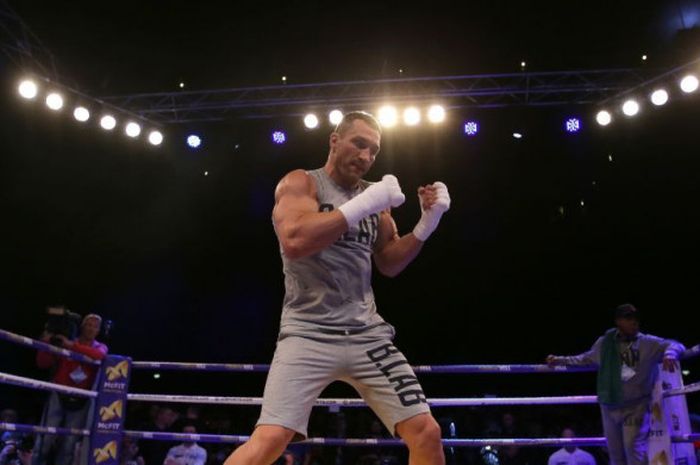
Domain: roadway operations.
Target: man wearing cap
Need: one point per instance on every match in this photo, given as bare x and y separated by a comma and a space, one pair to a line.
63, 410
627, 363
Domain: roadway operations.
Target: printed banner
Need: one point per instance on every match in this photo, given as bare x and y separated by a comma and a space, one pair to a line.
109, 412
669, 417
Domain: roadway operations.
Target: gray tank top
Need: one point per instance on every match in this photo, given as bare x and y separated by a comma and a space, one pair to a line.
332, 288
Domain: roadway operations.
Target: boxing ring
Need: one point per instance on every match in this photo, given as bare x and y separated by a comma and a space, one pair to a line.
669, 441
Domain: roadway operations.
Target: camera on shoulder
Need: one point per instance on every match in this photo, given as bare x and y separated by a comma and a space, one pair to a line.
61, 321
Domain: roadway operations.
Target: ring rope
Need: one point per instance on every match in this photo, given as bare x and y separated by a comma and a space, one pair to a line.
21, 428
44, 385
695, 387
443, 402
29, 342
215, 438
247, 367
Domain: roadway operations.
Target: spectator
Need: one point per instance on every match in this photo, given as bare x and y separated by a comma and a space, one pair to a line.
187, 453
570, 455
154, 452
16, 452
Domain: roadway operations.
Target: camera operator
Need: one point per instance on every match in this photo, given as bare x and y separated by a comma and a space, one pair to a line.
63, 410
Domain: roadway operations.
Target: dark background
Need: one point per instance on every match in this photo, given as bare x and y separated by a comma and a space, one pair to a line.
187, 265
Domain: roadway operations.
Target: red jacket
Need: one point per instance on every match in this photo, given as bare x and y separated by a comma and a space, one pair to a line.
72, 372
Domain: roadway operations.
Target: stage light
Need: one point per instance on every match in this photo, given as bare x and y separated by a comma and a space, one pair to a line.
411, 116
436, 114
471, 128
155, 137
335, 117
81, 114
630, 107
108, 122
279, 137
194, 141
572, 125
311, 121
517, 135
132, 129
54, 101
27, 89
659, 97
689, 84
387, 116
603, 118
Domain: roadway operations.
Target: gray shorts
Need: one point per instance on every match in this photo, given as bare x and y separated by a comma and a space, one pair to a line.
302, 368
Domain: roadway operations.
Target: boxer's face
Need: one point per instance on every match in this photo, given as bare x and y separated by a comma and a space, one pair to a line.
354, 152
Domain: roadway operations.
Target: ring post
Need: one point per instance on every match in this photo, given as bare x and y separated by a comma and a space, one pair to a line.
109, 412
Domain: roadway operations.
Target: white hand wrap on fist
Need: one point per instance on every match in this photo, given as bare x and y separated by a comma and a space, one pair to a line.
377, 197
430, 217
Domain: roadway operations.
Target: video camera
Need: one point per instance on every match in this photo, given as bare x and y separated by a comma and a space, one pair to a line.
61, 321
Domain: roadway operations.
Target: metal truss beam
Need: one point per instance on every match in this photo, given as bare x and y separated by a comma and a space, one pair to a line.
480, 91
23, 47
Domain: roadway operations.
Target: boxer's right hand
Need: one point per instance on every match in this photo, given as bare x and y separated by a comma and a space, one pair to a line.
386, 193
377, 197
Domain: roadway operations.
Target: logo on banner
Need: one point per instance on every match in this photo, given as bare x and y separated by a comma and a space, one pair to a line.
112, 411
109, 451
117, 376
120, 370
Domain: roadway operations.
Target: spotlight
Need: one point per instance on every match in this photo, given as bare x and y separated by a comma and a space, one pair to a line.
603, 118
132, 129
411, 116
82, 114
27, 89
335, 117
630, 107
471, 128
689, 84
311, 121
572, 125
194, 141
517, 135
279, 137
54, 101
436, 114
108, 122
155, 137
387, 116
659, 97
